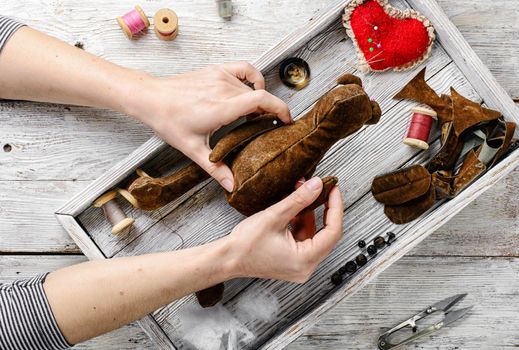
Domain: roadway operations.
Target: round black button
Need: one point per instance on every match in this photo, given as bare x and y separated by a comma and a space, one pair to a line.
342, 270
372, 250
336, 278
390, 236
361, 243
379, 242
351, 267
361, 260
294, 73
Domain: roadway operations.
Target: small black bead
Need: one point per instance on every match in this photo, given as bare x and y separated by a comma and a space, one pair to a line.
350, 266
361, 260
362, 243
336, 278
342, 270
390, 236
372, 250
379, 242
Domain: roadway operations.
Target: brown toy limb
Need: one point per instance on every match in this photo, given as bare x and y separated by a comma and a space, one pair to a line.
402, 185
329, 183
243, 134
407, 212
349, 78
377, 113
153, 193
210, 296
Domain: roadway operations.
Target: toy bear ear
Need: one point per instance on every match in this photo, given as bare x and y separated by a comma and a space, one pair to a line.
349, 79
376, 113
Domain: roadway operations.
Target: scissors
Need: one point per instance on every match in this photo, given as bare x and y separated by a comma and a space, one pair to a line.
384, 342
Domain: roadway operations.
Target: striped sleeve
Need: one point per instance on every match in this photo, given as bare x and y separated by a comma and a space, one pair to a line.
7, 27
26, 319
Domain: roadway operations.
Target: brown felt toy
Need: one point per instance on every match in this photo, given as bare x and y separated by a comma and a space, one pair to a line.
267, 158
409, 192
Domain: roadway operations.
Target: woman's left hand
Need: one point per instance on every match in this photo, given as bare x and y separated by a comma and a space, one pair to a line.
185, 110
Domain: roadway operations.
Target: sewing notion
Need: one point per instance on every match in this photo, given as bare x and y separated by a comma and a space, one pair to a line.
294, 72
386, 37
134, 22
113, 212
224, 9
165, 24
385, 342
420, 127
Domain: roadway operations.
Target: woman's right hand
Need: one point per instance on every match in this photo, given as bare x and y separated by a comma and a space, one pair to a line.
262, 245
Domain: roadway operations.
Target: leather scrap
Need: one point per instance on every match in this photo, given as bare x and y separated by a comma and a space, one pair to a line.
401, 185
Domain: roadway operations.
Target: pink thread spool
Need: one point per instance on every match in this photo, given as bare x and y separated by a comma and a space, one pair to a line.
133, 22
420, 127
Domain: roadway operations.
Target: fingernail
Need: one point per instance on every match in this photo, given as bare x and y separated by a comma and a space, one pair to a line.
313, 184
227, 184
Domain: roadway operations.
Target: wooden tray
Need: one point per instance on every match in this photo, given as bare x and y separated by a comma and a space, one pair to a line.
203, 214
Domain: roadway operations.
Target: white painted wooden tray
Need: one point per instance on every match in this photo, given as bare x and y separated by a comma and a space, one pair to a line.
203, 214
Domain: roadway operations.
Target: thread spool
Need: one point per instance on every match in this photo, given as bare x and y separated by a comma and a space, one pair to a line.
165, 24
133, 22
224, 9
420, 127
113, 212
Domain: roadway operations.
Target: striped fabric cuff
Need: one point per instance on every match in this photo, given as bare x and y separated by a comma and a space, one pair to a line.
26, 319
7, 27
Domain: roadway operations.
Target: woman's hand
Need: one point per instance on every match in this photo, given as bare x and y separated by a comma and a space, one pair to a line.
264, 247
186, 109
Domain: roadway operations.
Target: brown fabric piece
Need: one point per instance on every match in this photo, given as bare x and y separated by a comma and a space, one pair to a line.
266, 169
442, 183
402, 185
507, 140
210, 296
470, 170
418, 90
243, 134
449, 153
153, 193
467, 113
409, 211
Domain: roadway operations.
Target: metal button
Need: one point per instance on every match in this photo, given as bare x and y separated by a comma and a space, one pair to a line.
361, 260
351, 267
379, 242
294, 73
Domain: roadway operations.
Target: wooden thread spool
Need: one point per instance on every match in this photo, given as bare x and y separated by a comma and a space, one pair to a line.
113, 212
133, 22
165, 24
420, 128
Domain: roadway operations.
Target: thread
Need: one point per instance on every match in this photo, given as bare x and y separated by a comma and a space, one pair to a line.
113, 212
420, 128
133, 22
165, 24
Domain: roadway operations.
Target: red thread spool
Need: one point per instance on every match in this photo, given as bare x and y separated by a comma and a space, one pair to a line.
420, 127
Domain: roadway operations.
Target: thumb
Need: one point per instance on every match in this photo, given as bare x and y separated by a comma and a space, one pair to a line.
219, 171
301, 198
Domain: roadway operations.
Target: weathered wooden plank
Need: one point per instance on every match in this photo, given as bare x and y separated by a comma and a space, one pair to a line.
27, 222
357, 323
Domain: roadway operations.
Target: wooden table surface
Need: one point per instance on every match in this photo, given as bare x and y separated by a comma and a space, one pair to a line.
57, 150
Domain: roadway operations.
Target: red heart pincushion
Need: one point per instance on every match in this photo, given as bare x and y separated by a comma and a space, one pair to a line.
387, 37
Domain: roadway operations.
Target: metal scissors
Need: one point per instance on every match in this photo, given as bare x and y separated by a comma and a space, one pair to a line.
384, 342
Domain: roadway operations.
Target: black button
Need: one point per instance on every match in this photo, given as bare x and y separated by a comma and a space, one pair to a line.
379, 242
336, 278
361, 260
390, 236
372, 250
342, 270
294, 72
351, 267
362, 243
